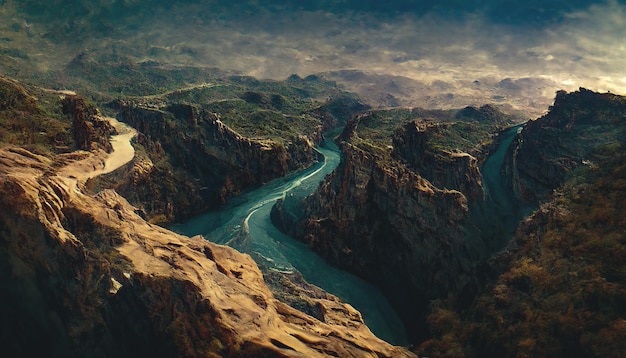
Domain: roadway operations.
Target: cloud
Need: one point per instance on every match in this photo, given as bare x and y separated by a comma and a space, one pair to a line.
471, 47
583, 48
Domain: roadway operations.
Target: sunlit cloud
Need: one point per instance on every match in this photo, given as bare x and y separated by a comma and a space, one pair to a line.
585, 49
443, 60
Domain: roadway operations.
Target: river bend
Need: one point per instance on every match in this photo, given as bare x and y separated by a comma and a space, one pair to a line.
244, 223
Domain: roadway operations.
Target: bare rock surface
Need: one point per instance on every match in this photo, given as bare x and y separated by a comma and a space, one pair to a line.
121, 286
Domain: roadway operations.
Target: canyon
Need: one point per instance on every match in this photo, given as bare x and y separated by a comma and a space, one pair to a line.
416, 217
488, 233
312, 178
402, 208
456, 215
90, 275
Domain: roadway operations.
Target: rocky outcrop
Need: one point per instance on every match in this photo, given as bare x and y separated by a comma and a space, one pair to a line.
403, 216
85, 275
391, 226
578, 129
91, 131
559, 287
194, 162
444, 168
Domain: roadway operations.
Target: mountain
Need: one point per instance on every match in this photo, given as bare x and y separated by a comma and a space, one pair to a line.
560, 284
402, 210
83, 274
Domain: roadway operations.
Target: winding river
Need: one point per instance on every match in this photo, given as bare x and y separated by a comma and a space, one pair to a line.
245, 224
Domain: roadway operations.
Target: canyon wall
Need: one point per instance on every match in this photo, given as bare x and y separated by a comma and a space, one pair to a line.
579, 127
193, 162
560, 285
397, 211
85, 275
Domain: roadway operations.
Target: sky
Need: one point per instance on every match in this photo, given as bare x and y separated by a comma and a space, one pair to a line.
443, 53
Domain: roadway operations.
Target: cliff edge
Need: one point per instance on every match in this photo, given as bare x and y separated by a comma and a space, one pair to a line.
85, 275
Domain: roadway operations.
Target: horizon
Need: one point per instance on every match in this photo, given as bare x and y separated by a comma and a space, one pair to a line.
443, 54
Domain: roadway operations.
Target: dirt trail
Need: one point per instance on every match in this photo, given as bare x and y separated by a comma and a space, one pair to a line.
92, 164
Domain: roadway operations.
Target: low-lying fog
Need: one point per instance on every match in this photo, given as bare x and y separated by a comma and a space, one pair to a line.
403, 57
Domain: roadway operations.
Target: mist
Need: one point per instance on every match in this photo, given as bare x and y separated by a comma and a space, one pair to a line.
430, 54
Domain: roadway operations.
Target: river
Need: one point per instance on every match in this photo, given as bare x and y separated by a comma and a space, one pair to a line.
504, 211
244, 223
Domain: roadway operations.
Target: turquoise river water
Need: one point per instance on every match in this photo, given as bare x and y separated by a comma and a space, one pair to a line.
244, 223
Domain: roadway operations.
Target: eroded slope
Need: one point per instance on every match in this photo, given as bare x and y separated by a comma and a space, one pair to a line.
96, 279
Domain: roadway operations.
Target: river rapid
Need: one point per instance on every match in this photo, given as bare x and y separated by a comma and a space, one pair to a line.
244, 223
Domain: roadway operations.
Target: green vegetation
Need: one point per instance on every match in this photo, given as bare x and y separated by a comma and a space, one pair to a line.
187, 162
561, 291
37, 124
275, 110
467, 136
468, 130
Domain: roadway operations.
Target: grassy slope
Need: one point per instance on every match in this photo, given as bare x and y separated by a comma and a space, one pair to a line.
468, 130
33, 122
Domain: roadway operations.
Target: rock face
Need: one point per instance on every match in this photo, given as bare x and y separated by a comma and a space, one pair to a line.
397, 210
86, 276
380, 219
90, 130
384, 223
578, 125
560, 286
443, 168
200, 162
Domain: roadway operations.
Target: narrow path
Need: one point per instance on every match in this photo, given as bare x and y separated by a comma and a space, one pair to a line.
93, 164
123, 152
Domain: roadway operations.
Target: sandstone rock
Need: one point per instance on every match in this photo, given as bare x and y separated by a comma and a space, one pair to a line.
96, 279
91, 131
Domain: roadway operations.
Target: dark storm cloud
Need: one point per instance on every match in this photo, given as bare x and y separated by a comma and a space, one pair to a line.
516, 13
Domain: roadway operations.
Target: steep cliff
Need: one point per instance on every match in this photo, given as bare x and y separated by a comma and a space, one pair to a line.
203, 155
578, 130
443, 168
84, 275
202, 145
396, 211
561, 283
90, 130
